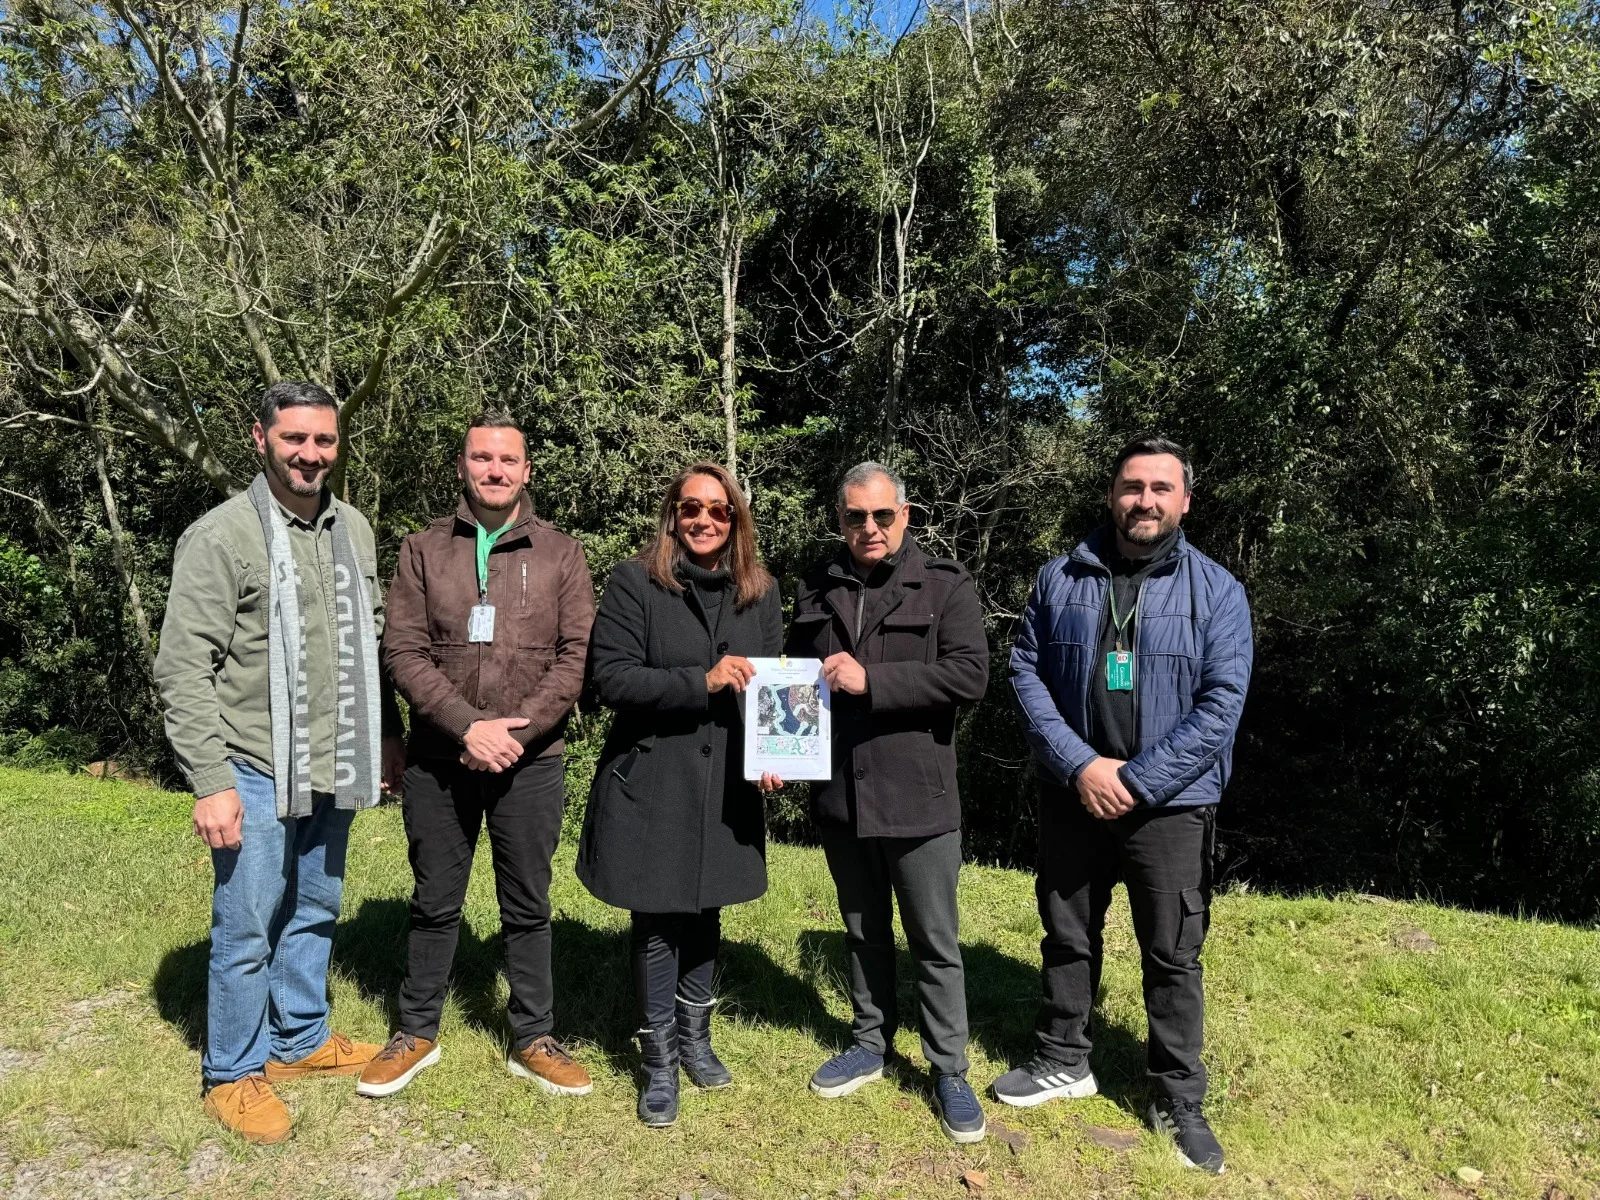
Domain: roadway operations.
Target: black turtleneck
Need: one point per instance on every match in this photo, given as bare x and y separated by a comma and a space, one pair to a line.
710, 588
1114, 716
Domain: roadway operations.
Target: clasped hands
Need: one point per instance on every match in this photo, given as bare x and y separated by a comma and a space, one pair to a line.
490, 746
1102, 791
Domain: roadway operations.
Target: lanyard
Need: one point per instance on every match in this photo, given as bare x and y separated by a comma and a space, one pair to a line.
486, 541
1118, 626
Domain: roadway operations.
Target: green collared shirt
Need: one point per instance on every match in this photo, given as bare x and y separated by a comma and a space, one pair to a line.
212, 667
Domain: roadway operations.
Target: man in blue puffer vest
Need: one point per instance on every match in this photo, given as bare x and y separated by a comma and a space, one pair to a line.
1130, 672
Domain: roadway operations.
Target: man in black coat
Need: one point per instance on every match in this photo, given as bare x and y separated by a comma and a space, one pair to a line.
902, 644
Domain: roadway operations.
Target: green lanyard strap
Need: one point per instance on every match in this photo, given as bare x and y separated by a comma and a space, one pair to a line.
1118, 626
486, 541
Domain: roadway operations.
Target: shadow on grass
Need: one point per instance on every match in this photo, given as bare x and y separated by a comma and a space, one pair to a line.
593, 982
595, 1002
1002, 1003
179, 988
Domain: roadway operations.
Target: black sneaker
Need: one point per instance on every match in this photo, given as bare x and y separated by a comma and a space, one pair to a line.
1183, 1120
1042, 1079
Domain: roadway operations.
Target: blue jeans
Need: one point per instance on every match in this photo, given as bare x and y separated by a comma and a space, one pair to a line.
272, 916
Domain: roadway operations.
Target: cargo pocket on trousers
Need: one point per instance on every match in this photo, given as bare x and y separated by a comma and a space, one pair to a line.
1192, 929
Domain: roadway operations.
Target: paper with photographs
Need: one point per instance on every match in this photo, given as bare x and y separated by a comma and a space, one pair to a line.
786, 720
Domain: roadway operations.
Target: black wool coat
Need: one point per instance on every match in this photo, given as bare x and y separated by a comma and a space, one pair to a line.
922, 641
672, 824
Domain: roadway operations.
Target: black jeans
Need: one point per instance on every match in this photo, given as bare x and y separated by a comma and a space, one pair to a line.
674, 955
922, 872
445, 806
1163, 855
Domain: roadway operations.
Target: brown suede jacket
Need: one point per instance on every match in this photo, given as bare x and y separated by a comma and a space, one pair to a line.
543, 598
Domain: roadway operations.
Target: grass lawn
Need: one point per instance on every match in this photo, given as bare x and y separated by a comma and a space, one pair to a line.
1349, 1056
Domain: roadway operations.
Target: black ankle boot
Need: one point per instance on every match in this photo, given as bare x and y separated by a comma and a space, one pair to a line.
700, 1063
658, 1098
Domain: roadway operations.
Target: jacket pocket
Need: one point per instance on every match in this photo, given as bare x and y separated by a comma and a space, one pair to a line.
529, 667
460, 666
629, 771
908, 637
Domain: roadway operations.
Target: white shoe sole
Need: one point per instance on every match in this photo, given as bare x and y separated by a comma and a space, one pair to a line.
1189, 1162
555, 1089
965, 1139
378, 1090
844, 1089
1077, 1089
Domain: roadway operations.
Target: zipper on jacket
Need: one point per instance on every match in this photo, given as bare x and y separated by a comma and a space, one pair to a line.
1088, 678
1138, 663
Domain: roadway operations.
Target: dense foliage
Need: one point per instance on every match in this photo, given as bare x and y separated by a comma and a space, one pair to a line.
1350, 254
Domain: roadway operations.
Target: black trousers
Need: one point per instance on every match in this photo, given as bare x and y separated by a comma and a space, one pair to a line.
674, 955
870, 874
445, 806
1163, 855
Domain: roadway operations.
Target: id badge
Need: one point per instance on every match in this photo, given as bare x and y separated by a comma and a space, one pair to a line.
1119, 670
480, 624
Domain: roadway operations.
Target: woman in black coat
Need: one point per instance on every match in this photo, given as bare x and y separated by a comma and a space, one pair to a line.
673, 830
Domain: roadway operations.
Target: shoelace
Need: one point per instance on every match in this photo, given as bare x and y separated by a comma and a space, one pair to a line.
400, 1043
1040, 1066
342, 1045
1185, 1115
856, 1056
954, 1088
551, 1047
255, 1092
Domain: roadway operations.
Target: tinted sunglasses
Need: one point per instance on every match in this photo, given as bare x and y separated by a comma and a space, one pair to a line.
690, 508
883, 518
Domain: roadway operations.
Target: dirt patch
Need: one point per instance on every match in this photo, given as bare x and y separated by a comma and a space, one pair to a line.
74, 1169
1411, 938
81, 1015
17, 1060
1120, 1140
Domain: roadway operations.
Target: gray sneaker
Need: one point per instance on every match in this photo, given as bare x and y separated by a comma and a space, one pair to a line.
1042, 1079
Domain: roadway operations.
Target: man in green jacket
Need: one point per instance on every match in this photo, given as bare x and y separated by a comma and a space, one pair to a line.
276, 712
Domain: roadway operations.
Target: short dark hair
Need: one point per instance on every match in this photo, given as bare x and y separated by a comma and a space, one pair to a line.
292, 393
1155, 445
494, 418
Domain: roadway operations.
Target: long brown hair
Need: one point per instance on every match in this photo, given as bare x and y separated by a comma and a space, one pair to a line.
664, 552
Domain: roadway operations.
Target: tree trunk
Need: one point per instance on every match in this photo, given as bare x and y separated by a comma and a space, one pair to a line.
119, 551
731, 238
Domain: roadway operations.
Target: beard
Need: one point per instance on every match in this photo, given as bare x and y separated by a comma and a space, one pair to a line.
1164, 525
285, 471
482, 501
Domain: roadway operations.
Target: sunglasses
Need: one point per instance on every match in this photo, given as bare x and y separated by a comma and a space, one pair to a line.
690, 509
883, 518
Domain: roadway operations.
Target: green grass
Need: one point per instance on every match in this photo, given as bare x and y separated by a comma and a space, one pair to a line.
1343, 1064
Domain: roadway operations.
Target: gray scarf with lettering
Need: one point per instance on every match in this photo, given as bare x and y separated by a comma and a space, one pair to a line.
358, 728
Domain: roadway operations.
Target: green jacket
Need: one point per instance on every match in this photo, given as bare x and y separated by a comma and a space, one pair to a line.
212, 665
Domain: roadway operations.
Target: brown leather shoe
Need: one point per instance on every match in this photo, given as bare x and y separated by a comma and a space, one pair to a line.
249, 1108
551, 1067
336, 1056
396, 1065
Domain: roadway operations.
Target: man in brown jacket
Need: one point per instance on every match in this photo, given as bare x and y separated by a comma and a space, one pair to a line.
488, 628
